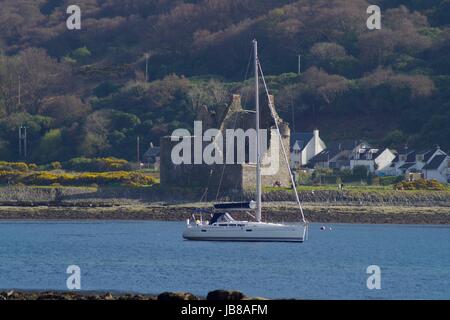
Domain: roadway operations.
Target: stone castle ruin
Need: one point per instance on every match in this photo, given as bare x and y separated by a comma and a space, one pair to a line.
224, 179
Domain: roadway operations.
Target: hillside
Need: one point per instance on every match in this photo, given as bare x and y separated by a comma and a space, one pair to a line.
85, 92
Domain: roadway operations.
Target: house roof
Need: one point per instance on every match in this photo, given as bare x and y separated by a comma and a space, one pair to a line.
427, 154
333, 149
435, 162
407, 165
365, 154
324, 156
410, 155
302, 139
152, 152
343, 144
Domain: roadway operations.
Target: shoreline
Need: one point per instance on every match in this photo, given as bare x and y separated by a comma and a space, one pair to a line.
378, 206
215, 295
272, 212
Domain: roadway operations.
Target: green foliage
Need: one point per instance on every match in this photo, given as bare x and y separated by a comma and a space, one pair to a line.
360, 172
105, 89
56, 165
324, 176
390, 87
81, 55
97, 164
49, 147
304, 178
394, 139
390, 180
329, 176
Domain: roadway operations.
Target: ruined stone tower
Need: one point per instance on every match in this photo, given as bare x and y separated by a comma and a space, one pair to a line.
229, 178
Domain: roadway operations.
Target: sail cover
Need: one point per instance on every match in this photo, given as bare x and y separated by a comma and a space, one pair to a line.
221, 217
249, 205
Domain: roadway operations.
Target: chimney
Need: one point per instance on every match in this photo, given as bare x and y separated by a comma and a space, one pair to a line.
316, 134
272, 100
284, 130
316, 142
236, 103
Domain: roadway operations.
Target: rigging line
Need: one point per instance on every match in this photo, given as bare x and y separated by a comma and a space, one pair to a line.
246, 75
272, 110
235, 120
237, 180
224, 162
207, 186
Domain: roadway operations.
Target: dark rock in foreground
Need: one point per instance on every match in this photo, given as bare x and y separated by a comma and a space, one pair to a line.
225, 295
176, 296
165, 296
57, 295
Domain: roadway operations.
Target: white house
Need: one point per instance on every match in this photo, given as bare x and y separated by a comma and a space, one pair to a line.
431, 163
304, 146
372, 158
437, 168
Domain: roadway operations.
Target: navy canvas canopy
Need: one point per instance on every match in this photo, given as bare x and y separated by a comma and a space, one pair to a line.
248, 205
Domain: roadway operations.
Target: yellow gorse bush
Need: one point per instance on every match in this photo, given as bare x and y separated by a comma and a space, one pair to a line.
76, 179
19, 166
97, 164
420, 184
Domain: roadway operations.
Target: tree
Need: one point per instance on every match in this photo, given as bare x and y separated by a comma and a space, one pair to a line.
26, 79
50, 147
81, 55
64, 109
324, 87
328, 51
95, 134
394, 139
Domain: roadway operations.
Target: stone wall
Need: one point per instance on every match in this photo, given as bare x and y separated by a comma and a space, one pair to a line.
181, 175
115, 195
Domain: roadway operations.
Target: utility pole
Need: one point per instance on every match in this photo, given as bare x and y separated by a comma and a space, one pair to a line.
20, 90
23, 141
299, 64
146, 67
20, 142
138, 151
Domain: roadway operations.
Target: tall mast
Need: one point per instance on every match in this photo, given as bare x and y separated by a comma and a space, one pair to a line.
258, 147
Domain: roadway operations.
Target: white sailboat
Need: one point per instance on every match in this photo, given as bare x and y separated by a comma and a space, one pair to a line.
222, 227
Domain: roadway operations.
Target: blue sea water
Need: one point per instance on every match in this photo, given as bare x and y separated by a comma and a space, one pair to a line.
151, 257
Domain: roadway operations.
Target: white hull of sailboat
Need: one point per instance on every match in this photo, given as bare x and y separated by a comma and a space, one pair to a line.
253, 231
